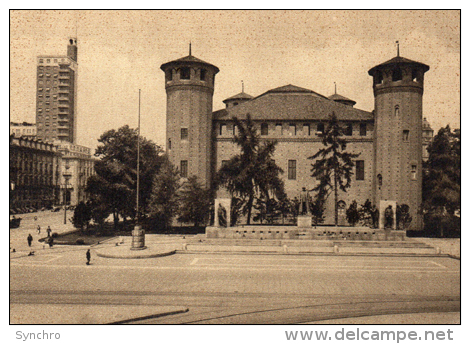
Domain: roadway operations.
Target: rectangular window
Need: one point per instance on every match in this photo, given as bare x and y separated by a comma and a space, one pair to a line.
185, 73
292, 169
320, 128
184, 168
203, 75
406, 135
363, 129
184, 133
279, 128
359, 169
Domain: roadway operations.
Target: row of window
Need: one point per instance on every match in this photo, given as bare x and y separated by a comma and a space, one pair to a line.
292, 129
185, 74
49, 60
292, 169
36, 180
48, 82
397, 75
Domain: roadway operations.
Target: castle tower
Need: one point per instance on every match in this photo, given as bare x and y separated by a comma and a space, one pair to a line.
189, 84
398, 92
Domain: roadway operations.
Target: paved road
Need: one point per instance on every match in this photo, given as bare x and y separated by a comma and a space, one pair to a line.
241, 288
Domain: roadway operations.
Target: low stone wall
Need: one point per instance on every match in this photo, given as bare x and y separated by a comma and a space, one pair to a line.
319, 233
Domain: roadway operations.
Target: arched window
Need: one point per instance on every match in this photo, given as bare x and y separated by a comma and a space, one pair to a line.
414, 172
397, 110
341, 208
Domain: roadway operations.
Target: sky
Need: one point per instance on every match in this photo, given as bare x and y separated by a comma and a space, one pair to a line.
120, 52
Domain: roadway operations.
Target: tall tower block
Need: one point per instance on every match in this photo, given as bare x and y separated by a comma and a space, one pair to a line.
56, 95
398, 92
189, 84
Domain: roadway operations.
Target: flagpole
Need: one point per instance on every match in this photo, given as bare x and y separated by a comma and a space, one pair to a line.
138, 234
138, 164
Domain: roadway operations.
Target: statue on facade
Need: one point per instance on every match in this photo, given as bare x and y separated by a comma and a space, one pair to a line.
375, 217
388, 217
222, 215
304, 202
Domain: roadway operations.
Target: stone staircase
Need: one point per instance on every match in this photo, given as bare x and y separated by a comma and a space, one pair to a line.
333, 247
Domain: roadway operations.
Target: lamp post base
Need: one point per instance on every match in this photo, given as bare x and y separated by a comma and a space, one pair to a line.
138, 238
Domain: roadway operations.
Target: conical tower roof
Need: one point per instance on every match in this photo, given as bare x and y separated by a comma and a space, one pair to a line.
192, 60
398, 60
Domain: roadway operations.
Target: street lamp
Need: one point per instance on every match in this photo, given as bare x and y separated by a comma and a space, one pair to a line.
65, 188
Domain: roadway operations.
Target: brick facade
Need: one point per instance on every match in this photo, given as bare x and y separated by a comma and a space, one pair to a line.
389, 139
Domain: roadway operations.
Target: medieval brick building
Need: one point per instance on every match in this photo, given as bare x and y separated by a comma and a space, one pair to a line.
389, 139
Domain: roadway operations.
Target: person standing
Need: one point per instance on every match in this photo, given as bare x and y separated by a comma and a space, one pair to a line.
39, 229
30, 239
49, 230
88, 257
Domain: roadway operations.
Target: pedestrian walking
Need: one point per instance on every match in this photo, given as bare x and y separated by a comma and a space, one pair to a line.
39, 229
30, 239
49, 230
88, 257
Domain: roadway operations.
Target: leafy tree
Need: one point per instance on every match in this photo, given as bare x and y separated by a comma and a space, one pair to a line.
163, 204
99, 213
352, 213
334, 165
317, 208
253, 172
365, 212
194, 202
285, 207
235, 210
441, 178
403, 216
115, 181
81, 216
267, 209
